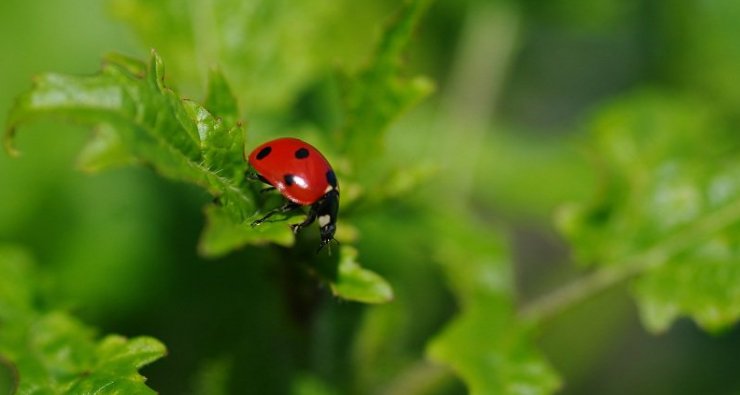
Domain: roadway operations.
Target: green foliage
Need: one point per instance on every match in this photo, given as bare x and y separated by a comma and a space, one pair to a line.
671, 188
54, 353
281, 43
138, 119
487, 344
353, 282
652, 151
379, 94
443, 204
182, 140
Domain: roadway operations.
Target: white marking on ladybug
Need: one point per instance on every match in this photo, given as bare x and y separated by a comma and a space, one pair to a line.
324, 220
328, 189
300, 182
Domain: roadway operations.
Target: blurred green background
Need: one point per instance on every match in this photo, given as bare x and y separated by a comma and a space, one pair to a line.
517, 83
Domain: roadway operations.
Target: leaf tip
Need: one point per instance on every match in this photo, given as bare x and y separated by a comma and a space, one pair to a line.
151, 346
135, 67
215, 72
355, 283
388, 296
156, 69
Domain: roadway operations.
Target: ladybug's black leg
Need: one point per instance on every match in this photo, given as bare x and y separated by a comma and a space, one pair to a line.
308, 221
287, 207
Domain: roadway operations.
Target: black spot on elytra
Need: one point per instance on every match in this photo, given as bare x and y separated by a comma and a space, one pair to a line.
301, 153
264, 152
331, 178
288, 179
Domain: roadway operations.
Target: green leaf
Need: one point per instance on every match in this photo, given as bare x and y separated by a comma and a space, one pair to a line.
346, 278
222, 144
493, 353
105, 150
180, 139
220, 99
115, 365
703, 283
222, 234
379, 93
486, 345
352, 282
668, 209
54, 353
653, 151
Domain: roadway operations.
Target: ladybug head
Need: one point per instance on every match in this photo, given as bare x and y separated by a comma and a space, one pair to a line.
327, 234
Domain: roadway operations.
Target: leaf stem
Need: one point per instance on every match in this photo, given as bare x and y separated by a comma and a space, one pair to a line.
486, 49
612, 274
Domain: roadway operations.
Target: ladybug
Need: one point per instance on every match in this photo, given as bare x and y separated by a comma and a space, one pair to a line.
304, 177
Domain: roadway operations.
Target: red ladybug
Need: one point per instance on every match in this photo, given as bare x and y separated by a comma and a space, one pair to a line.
304, 177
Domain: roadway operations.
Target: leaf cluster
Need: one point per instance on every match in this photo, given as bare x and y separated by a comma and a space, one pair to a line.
49, 352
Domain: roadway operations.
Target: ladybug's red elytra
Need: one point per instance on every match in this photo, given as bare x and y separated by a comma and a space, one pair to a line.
304, 177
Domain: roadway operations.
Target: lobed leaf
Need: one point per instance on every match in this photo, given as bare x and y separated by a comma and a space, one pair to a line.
138, 117
220, 100
672, 188
653, 154
703, 283
486, 345
105, 150
380, 93
54, 353
352, 282
493, 353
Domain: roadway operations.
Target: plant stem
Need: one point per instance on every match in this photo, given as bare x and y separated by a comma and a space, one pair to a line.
612, 274
487, 46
